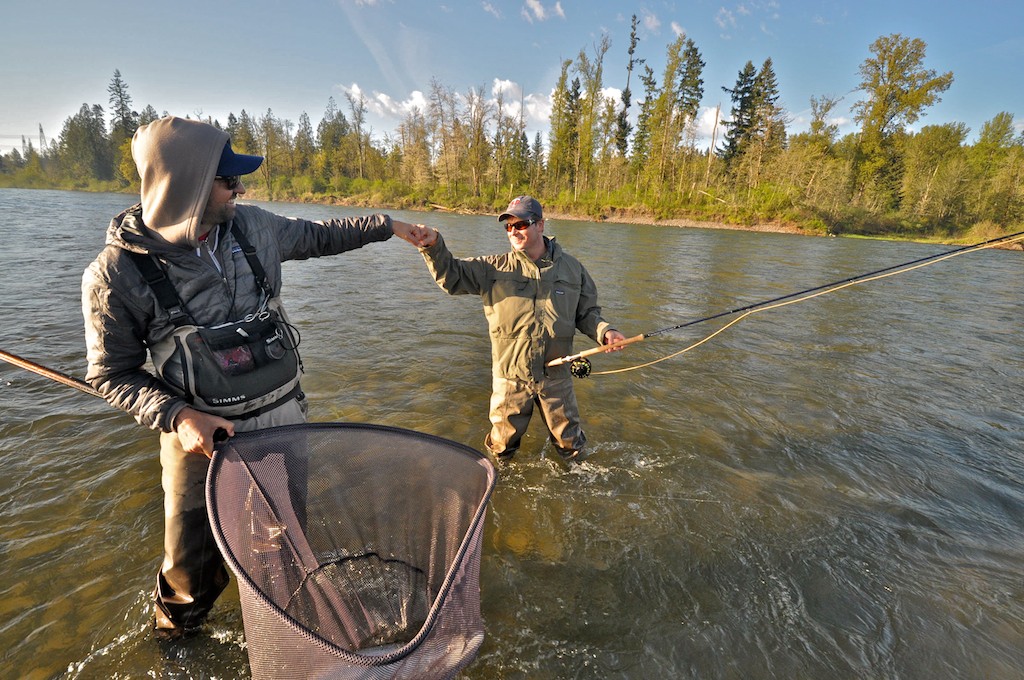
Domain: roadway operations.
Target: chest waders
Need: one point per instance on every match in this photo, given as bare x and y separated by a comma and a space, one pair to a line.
237, 369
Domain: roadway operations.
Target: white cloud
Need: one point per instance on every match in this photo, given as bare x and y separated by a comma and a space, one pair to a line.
651, 21
614, 94
535, 9
385, 113
534, 108
731, 19
511, 90
538, 109
706, 119
725, 19
384, 106
677, 29
491, 9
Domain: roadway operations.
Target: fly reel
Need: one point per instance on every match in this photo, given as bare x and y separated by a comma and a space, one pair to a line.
580, 367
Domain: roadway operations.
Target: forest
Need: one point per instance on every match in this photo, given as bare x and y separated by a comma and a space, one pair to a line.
613, 158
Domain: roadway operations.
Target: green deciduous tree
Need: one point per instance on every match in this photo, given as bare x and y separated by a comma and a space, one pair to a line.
477, 113
591, 74
564, 136
360, 135
997, 163
897, 88
933, 165
449, 141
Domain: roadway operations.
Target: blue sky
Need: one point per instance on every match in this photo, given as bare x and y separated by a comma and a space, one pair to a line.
211, 58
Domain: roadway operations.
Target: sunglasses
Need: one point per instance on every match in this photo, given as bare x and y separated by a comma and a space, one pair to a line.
230, 181
519, 226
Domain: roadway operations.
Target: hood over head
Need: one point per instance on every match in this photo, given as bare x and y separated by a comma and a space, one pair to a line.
177, 160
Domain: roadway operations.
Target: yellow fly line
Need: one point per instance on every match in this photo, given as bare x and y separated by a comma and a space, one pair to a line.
970, 249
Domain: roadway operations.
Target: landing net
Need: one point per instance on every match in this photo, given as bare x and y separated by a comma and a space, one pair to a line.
356, 548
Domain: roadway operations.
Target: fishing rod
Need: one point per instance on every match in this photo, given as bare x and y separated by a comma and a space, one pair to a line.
580, 364
219, 435
50, 373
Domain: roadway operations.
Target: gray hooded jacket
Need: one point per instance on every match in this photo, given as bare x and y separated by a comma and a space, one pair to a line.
177, 161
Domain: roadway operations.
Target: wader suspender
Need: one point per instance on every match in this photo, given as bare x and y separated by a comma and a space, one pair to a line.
168, 298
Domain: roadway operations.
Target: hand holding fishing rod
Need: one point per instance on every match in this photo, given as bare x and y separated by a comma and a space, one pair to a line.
581, 365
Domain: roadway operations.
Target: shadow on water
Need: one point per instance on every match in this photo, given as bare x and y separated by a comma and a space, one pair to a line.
828, 490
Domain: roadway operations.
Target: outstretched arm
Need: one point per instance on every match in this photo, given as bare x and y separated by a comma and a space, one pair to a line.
417, 234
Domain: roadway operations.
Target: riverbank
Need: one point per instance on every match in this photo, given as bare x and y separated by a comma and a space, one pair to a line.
773, 227
976, 234
616, 216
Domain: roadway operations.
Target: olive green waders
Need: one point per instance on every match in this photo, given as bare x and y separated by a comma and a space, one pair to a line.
512, 404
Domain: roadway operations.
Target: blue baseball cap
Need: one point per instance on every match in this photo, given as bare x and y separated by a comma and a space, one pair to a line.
523, 207
232, 163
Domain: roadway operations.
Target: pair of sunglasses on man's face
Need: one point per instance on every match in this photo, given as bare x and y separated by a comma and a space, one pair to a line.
230, 181
519, 226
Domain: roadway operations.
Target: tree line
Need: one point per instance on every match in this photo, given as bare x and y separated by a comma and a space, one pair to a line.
606, 157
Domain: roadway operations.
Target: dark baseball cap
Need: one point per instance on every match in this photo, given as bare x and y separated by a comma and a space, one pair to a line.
232, 163
523, 207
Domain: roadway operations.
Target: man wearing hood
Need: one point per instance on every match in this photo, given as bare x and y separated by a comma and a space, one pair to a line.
535, 298
194, 280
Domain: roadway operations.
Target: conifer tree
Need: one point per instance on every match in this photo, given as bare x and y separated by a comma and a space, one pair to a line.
623, 126
305, 145
123, 121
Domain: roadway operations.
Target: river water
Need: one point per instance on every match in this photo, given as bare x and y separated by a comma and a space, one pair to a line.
827, 490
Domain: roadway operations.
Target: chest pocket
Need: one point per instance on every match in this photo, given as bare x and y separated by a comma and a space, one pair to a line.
235, 368
564, 299
509, 302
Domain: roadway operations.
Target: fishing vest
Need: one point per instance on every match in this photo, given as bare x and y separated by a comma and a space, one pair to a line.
237, 369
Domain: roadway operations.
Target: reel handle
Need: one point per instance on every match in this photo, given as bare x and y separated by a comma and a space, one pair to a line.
596, 350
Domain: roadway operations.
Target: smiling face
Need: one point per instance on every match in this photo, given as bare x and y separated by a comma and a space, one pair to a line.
220, 207
529, 239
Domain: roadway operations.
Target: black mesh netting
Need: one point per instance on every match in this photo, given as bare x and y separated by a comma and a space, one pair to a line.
356, 547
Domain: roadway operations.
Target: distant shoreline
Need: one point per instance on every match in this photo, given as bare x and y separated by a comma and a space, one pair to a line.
617, 217
773, 227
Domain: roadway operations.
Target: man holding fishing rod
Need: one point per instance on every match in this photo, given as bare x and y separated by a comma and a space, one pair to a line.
535, 298
194, 280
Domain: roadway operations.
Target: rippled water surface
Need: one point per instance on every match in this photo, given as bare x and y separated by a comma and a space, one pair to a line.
831, 489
